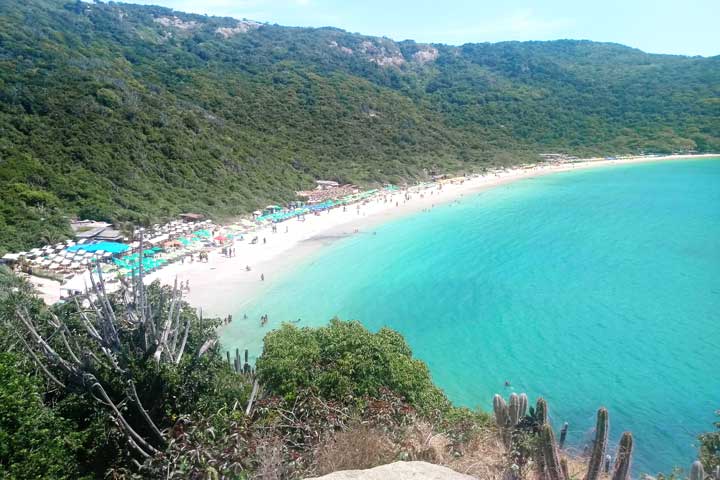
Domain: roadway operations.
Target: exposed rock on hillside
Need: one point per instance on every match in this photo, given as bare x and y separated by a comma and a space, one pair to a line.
242, 26
176, 23
385, 55
426, 54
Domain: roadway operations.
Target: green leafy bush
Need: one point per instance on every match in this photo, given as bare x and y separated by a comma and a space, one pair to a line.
344, 360
35, 442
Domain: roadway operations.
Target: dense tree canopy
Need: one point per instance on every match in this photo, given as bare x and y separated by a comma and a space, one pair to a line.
135, 113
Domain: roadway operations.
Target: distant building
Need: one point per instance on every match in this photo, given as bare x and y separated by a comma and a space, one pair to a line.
109, 235
87, 225
325, 184
327, 190
192, 217
270, 209
92, 230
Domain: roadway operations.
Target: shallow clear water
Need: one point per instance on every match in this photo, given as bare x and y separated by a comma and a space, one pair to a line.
595, 287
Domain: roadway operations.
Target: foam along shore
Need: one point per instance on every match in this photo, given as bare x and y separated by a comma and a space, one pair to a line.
222, 285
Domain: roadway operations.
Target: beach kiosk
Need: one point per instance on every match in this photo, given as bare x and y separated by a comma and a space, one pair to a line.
270, 209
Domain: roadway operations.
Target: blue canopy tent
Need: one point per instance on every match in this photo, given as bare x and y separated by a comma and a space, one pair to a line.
112, 247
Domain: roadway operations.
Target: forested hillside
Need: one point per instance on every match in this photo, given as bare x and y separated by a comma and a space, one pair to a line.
135, 113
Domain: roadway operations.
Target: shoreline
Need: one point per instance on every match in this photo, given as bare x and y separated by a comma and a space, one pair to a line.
222, 286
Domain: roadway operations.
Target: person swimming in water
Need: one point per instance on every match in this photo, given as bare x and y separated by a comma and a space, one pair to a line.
507, 383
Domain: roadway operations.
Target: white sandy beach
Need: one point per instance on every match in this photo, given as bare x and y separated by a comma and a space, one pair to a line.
221, 286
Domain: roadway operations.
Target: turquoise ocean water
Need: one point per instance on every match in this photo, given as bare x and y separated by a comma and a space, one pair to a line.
594, 287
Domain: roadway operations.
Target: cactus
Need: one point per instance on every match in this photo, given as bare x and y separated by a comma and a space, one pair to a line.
541, 411
551, 458
608, 461
624, 458
697, 472
564, 467
501, 411
599, 446
522, 411
514, 409
563, 434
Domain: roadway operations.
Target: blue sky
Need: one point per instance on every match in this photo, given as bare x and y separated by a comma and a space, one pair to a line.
689, 27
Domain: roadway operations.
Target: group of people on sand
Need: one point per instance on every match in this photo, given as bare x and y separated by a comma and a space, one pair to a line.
263, 320
228, 251
202, 257
185, 286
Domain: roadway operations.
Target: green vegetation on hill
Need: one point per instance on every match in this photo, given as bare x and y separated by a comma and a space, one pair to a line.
136, 113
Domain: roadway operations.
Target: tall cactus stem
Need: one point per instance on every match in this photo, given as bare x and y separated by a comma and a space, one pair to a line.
697, 472
550, 455
514, 409
501, 411
523, 406
563, 435
624, 458
598, 452
541, 411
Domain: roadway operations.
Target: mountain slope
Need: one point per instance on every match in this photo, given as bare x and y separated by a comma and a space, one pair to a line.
135, 113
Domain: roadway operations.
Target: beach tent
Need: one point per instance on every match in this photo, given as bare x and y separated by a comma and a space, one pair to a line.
112, 247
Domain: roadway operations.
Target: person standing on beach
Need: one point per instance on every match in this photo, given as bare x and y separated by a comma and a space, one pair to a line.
262, 277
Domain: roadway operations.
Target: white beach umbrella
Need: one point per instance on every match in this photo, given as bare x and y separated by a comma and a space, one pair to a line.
66, 262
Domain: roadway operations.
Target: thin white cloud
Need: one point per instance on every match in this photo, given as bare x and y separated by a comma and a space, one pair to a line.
522, 24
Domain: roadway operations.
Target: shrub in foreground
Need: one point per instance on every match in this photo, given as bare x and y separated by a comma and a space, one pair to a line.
345, 360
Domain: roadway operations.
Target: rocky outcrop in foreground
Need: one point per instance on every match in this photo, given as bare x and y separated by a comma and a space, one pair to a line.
399, 470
